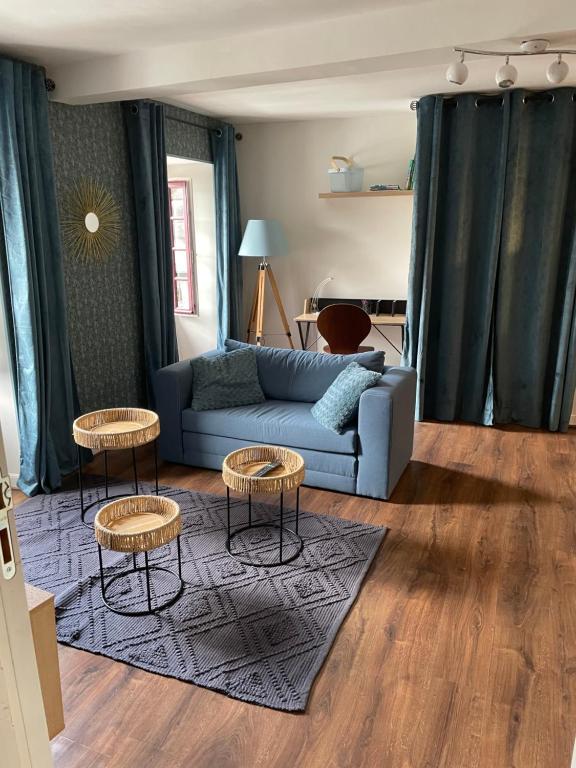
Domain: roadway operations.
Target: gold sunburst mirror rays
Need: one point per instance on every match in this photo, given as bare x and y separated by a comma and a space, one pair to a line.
90, 222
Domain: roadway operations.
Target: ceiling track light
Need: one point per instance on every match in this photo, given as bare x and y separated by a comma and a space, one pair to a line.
506, 76
457, 71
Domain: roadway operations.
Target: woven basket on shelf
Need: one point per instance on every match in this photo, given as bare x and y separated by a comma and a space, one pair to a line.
115, 428
137, 523
239, 466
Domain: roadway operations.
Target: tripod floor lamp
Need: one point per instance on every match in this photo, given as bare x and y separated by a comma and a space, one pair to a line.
264, 238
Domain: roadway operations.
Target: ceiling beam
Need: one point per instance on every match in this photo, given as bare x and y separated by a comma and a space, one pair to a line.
405, 36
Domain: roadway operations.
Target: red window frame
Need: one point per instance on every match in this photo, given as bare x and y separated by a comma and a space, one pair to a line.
186, 282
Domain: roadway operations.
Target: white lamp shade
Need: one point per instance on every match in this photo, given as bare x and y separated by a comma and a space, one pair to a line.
506, 76
457, 73
263, 238
557, 71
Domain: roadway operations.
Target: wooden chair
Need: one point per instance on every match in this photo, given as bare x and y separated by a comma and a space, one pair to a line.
344, 326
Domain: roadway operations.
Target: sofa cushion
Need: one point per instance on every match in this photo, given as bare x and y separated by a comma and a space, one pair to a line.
339, 405
294, 374
276, 422
225, 381
197, 443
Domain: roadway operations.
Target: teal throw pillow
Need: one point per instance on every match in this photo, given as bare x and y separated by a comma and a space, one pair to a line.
340, 401
225, 381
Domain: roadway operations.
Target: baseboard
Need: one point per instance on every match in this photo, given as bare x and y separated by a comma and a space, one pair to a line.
13, 479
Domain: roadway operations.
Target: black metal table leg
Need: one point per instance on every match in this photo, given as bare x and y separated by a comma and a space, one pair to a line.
377, 328
84, 507
101, 569
281, 526
156, 462
297, 507
299, 324
80, 484
228, 515
147, 569
135, 471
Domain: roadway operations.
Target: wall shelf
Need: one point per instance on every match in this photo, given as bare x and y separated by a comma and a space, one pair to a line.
381, 193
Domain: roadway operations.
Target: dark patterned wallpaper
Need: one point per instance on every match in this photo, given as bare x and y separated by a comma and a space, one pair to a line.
103, 299
185, 140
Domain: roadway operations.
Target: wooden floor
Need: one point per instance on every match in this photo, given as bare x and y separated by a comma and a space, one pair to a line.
459, 652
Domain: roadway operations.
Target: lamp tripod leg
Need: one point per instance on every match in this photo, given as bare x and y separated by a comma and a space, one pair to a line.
253, 312
260, 307
278, 299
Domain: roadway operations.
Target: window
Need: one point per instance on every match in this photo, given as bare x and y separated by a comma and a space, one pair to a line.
182, 252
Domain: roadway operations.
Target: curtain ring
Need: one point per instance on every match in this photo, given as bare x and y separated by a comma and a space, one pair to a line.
133, 109
549, 97
218, 132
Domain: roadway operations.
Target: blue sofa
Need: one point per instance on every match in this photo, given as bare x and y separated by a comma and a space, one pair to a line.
367, 459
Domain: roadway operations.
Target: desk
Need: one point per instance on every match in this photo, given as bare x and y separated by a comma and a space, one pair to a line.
379, 322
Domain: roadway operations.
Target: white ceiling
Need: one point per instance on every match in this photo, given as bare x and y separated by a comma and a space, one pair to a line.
253, 60
74, 30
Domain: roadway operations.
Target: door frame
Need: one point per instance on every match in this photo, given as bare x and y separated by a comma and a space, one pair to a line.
23, 729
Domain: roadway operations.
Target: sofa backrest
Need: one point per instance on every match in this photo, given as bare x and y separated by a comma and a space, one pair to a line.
294, 374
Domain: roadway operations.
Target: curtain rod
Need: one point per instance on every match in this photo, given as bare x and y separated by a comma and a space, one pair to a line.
217, 131
530, 96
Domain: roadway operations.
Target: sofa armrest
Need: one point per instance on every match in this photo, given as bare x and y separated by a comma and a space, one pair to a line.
173, 393
385, 432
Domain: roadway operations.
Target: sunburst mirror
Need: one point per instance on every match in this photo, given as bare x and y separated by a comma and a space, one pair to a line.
91, 222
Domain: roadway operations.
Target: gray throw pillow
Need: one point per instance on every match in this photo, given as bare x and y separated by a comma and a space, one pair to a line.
340, 401
225, 381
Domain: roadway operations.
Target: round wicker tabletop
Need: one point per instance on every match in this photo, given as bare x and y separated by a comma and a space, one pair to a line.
137, 523
116, 428
239, 466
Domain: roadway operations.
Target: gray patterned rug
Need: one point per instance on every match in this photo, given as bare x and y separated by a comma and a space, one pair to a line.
257, 634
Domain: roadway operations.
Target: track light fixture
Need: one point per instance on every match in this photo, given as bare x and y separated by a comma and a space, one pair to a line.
457, 71
557, 71
507, 74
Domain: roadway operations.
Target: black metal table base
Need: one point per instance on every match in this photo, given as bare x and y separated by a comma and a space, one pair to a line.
305, 335
107, 497
283, 545
147, 568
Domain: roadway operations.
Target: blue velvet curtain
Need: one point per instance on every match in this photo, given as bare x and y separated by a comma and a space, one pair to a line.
144, 121
33, 282
491, 324
228, 235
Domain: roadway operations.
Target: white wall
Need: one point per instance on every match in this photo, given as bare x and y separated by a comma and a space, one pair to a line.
197, 333
8, 416
363, 243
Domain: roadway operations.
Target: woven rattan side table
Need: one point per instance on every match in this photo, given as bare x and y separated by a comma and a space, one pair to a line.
237, 472
137, 524
114, 429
